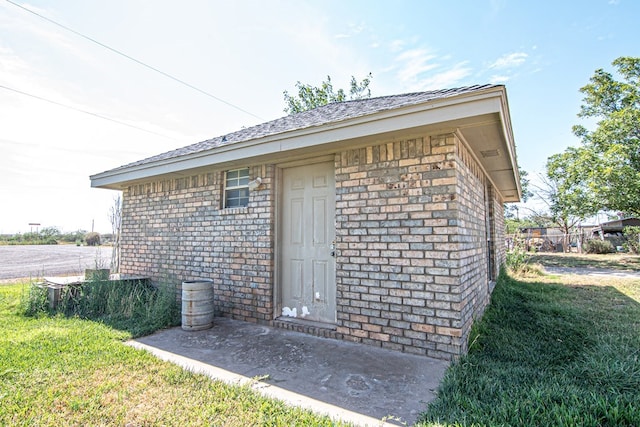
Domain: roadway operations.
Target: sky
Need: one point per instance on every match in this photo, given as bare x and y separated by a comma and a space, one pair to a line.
71, 108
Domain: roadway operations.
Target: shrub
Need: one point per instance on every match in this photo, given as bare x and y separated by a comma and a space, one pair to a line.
517, 256
597, 246
35, 300
92, 238
632, 235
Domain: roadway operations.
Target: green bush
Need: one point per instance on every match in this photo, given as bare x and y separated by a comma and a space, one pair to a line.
632, 235
597, 246
35, 300
92, 238
517, 256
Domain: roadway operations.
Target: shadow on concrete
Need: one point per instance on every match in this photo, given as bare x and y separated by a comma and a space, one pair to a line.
353, 382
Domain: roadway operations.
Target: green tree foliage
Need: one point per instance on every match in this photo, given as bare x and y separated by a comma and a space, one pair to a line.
310, 97
513, 225
565, 187
511, 209
564, 201
524, 184
632, 234
604, 171
50, 233
92, 238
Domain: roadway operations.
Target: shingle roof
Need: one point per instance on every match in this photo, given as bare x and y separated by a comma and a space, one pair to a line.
330, 113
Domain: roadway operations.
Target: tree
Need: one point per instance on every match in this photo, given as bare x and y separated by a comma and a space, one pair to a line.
513, 225
310, 97
50, 233
92, 238
566, 185
607, 164
566, 199
511, 209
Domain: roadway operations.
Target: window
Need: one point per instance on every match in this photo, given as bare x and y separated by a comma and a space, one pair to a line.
236, 188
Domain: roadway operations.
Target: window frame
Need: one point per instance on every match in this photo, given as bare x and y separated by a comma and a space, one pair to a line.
241, 183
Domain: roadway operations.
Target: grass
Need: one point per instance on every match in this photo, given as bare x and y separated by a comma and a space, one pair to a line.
136, 307
549, 351
58, 370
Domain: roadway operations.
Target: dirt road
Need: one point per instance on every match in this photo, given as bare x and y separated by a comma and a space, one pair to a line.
50, 260
591, 271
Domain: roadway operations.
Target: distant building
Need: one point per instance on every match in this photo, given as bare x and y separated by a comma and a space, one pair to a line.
615, 227
550, 239
612, 231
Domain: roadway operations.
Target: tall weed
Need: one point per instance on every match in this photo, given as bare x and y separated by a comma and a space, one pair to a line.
517, 255
35, 300
137, 307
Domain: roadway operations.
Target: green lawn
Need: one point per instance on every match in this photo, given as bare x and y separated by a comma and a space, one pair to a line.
550, 350
66, 371
561, 354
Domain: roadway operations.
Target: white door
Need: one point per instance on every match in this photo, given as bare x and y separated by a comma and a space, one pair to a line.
307, 233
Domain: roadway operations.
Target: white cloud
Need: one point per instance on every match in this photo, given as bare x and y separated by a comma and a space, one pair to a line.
34, 8
420, 69
352, 30
445, 79
497, 5
498, 79
397, 45
48, 152
19, 21
11, 65
510, 60
413, 63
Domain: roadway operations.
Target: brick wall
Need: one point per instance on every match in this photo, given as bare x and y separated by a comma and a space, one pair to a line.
176, 230
475, 225
412, 245
411, 240
499, 230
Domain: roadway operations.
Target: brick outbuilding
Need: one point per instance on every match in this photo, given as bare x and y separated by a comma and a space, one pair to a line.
377, 221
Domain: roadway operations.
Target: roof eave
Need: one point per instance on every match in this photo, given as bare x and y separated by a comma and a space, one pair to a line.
487, 101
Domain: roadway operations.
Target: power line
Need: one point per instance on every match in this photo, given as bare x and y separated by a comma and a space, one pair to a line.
84, 111
135, 60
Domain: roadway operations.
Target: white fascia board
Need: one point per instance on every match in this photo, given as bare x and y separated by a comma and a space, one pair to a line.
393, 120
510, 139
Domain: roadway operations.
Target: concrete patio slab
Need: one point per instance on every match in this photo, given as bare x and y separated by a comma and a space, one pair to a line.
353, 382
